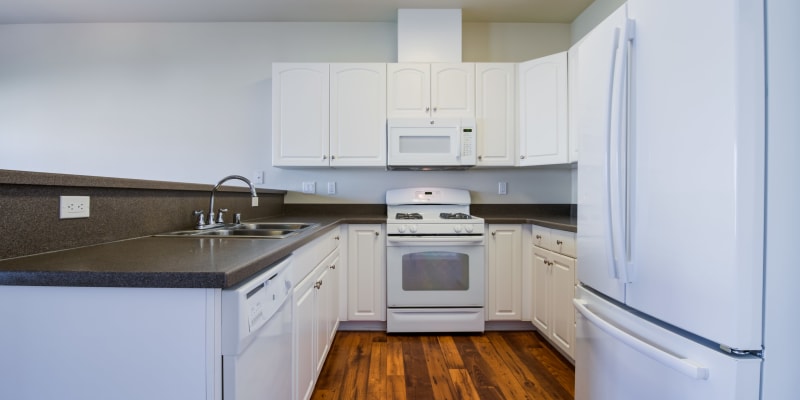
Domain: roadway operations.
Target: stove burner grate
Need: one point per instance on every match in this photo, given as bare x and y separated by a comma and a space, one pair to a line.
454, 216
408, 216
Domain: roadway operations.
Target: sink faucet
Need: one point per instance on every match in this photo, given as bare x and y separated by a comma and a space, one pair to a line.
201, 224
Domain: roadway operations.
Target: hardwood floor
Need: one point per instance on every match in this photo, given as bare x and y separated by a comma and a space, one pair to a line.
495, 365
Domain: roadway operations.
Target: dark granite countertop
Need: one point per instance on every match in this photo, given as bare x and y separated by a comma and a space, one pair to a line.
185, 262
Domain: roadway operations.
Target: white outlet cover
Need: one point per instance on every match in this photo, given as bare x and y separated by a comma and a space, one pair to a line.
74, 207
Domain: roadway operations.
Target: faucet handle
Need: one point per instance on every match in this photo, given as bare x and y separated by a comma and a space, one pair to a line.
201, 219
237, 218
219, 214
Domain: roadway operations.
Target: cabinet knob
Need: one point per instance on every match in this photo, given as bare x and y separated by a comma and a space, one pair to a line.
434, 109
317, 284
558, 242
332, 266
539, 237
521, 157
494, 233
377, 233
333, 157
324, 157
427, 109
480, 158
336, 237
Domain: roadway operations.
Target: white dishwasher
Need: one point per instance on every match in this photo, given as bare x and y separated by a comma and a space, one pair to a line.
257, 336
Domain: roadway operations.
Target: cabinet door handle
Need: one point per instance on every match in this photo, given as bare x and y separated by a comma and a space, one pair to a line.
539, 237
318, 285
377, 233
427, 109
336, 237
521, 157
324, 156
558, 242
333, 266
494, 233
480, 158
333, 157
434, 109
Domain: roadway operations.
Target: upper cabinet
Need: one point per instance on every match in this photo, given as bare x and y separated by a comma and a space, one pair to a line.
441, 90
495, 114
328, 115
300, 112
543, 135
358, 115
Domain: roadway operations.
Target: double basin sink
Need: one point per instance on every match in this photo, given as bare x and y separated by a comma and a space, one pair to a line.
253, 230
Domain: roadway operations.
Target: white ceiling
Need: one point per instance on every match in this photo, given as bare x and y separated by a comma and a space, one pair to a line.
58, 11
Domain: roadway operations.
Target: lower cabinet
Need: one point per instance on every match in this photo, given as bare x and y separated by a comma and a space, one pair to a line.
553, 286
366, 273
504, 253
315, 314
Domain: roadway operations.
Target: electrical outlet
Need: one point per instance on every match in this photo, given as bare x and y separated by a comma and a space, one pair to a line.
74, 207
502, 188
331, 187
309, 187
258, 177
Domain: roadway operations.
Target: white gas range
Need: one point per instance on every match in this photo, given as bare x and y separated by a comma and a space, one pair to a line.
435, 261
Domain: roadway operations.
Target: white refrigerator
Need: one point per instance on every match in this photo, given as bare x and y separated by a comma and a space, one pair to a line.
670, 114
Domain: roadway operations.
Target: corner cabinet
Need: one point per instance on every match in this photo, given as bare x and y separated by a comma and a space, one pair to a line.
366, 272
315, 309
495, 114
553, 286
543, 130
420, 90
328, 115
504, 272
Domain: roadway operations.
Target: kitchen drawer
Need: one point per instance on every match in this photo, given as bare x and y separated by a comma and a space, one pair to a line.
309, 256
562, 242
540, 236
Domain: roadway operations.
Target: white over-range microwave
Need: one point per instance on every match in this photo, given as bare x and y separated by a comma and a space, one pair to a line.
429, 144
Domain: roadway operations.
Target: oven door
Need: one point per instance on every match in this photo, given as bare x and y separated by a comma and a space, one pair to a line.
435, 271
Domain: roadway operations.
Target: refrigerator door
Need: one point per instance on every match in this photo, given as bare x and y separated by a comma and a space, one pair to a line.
696, 183
623, 357
597, 91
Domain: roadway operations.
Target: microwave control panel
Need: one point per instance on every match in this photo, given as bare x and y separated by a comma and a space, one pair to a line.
468, 143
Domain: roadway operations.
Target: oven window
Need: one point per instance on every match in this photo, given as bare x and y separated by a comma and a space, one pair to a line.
435, 270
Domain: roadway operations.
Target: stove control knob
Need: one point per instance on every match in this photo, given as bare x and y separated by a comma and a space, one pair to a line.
468, 228
412, 228
401, 229
457, 228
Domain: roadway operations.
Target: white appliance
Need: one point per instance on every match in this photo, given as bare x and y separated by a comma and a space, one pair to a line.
257, 336
425, 144
670, 117
435, 268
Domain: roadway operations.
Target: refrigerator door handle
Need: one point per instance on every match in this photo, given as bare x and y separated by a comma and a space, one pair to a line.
683, 365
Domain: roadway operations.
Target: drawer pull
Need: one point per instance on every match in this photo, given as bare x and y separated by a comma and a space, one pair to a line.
558, 242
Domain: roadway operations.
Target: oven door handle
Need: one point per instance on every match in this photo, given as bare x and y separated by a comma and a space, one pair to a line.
436, 240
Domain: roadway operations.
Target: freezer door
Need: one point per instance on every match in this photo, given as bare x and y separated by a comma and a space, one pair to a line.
620, 356
697, 179
596, 91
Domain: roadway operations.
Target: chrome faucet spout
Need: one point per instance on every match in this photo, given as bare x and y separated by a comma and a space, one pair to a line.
211, 222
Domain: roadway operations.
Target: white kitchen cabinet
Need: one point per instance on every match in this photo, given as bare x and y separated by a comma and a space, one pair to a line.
553, 285
300, 114
440, 90
357, 115
573, 97
543, 130
328, 115
504, 272
366, 272
315, 309
495, 114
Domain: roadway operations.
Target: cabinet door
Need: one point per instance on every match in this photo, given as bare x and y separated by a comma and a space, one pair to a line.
563, 284
304, 338
543, 110
541, 310
323, 288
408, 90
300, 114
505, 272
358, 115
366, 273
330, 296
495, 113
453, 90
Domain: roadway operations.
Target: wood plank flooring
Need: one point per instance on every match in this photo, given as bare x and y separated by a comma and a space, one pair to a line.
495, 365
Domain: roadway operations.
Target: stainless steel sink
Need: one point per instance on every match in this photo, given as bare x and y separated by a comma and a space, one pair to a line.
257, 230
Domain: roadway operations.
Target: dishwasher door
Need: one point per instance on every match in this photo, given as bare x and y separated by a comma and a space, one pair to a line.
257, 343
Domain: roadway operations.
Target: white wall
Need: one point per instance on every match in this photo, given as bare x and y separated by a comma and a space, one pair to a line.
190, 102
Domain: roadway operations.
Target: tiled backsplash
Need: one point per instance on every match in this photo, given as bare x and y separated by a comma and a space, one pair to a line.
120, 209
